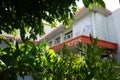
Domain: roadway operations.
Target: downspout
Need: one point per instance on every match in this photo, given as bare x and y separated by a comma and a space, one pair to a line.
93, 24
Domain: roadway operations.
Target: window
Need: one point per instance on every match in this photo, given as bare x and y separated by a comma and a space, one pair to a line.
105, 57
68, 35
50, 43
57, 40
108, 55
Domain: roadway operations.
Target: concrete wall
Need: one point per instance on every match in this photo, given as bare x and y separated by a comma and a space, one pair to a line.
116, 19
94, 23
99, 25
81, 25
112, 33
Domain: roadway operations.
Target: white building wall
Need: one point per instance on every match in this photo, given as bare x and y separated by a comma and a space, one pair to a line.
80, 25
94, 23
116, 19
112, 33
100, 26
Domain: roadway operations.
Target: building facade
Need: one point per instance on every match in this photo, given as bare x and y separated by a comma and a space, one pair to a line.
98, 22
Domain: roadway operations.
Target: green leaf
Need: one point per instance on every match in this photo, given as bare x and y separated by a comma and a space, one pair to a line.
42, 45
100, 3
91, 38
95, 42
90, 6
9, 60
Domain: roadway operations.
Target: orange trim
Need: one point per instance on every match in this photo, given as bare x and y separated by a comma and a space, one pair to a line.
102, 43
84, 39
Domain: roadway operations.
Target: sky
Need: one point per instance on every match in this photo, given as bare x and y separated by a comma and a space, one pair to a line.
110, 4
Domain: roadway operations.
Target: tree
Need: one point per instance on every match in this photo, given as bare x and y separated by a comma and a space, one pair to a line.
46, 64
28, 15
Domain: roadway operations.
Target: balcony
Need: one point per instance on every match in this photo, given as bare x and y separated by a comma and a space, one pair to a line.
85, 40
68, 36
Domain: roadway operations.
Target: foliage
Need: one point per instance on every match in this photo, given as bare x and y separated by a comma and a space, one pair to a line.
95, 68
27, 16
85, 65
89, 3
46, 64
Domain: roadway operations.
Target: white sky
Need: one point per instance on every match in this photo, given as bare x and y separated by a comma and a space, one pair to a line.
110, 4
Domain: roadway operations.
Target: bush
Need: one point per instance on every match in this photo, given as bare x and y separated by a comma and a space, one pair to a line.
46, 64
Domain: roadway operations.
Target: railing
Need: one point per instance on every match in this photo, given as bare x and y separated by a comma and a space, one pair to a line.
57, 41
84, 39
68, 36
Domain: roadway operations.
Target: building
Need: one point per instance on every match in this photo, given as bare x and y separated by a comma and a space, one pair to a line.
99, 22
